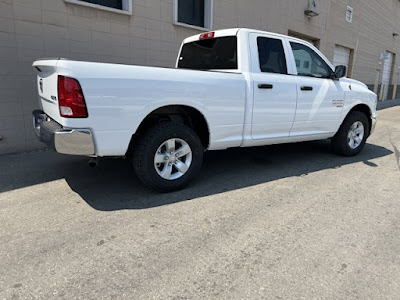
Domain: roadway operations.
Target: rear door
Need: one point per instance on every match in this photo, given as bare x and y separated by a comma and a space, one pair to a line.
274, 103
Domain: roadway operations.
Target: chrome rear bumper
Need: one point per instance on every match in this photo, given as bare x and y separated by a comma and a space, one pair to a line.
63, 140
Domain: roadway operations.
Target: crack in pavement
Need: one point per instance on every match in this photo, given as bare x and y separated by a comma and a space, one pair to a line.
396, 150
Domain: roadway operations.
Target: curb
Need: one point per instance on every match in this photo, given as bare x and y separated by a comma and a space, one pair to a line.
387, 104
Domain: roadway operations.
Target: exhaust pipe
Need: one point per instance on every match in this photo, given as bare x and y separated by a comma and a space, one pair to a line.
93, 162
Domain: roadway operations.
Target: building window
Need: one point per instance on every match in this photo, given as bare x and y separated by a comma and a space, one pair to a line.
193, 13
349, 14
109, 3
120, 6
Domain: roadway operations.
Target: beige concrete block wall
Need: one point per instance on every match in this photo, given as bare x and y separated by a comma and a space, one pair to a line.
30, 29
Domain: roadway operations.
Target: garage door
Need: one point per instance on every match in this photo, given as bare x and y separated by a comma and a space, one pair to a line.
387, 70
341, 56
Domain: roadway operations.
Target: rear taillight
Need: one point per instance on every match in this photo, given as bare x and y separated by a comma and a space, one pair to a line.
70, 98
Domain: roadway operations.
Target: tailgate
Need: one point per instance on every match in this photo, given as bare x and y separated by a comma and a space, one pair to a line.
47, 86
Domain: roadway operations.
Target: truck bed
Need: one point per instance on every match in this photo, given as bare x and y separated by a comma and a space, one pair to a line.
128, 93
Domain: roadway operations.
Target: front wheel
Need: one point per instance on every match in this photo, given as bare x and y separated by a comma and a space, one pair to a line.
352, 134
168, 156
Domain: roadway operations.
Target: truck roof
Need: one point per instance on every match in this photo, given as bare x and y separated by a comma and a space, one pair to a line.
235, 31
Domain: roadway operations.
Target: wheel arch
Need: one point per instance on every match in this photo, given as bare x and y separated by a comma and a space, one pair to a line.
184, 114
365, 109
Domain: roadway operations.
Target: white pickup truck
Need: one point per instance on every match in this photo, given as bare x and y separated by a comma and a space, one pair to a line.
230, 88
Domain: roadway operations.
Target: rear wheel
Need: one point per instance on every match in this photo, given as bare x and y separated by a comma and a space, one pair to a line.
352, 134
168, 156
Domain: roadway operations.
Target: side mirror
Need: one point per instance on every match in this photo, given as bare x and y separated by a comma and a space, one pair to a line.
340, 71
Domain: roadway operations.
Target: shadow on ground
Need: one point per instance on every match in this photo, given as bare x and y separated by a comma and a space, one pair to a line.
113, 185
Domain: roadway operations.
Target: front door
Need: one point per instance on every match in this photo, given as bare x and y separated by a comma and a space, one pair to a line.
274, 104
320, 99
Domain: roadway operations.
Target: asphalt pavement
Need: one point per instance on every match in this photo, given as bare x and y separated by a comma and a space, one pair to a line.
280, 222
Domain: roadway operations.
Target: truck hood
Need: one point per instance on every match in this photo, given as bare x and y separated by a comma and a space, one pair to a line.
354, 82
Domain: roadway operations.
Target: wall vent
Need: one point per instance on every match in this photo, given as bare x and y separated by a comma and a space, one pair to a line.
349, 14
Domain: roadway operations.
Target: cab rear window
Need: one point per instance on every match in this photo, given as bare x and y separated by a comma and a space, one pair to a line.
210, 54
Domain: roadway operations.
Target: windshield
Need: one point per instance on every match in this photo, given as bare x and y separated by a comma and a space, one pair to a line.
210, 54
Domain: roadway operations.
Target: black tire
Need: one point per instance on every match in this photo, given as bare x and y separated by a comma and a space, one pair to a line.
340, 143
147, 146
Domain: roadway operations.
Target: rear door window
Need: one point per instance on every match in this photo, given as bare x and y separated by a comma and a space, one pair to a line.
271, 55
210, 54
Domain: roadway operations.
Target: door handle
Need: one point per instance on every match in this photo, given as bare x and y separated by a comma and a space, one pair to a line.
306, 88
265, 86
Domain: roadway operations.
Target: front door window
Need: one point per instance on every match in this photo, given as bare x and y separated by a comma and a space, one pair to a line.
309, 63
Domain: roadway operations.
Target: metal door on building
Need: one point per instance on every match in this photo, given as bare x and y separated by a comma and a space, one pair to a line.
311, 40
386, 74
341, 56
